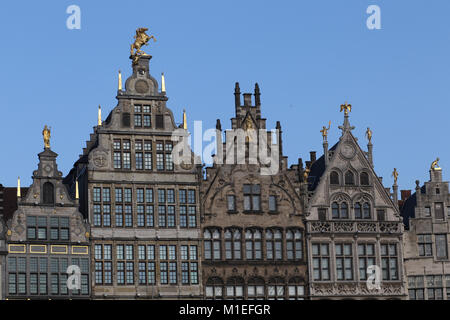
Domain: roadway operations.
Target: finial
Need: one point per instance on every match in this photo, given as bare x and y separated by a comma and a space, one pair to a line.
120, 81
395, 175
46, 133
369, 135
77, 194
18, 188
99, 118
163, 83
434, 165
325, 131
184, 120
346, 107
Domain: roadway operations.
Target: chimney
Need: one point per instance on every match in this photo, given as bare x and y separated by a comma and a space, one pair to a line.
247, 99
312, 156
405, 194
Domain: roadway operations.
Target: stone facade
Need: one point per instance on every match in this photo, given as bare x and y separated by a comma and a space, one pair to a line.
3, 250
426, 214
253, 233
142, 207
45, 236
352, 223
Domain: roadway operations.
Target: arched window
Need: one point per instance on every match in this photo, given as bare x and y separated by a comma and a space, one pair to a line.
253, 245
334, 177
276, 289
274, 245
349, 178
212, 244
213, 289
358, 212
296, 289
255, 289
49, 193
233, 244
344, 210
235, 288
294, 245
366, 210
335, 210
364, 179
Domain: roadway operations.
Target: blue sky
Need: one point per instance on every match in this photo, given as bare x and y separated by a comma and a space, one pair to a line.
307, 56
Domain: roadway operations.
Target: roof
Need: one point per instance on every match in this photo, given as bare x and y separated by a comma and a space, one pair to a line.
407, 210
10, 201
317, 170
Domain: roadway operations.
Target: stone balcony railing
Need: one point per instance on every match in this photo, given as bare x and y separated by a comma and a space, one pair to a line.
353, 227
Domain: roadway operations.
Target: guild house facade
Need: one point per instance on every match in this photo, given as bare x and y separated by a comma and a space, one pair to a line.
352, 223
45, 237
143, 208
426, 215
253, 233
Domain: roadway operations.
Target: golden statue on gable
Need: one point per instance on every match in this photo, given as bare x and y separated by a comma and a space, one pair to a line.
434, 165
46, 135
141, 39
347, 108
324, 131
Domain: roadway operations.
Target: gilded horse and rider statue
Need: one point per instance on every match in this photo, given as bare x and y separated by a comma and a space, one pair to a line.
141, 39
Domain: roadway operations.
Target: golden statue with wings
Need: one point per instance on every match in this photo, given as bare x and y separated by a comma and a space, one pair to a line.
324, 131
347, 108
141, 39
46, 135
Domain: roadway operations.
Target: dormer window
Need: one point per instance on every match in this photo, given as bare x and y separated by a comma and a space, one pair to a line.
142, 116
349, 178
49, 193
334, 178
364, 179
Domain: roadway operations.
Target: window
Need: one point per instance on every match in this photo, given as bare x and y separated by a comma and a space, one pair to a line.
364, 179
448, 211
255, 289
101, 210
252, 197
214, 288
344, 261
349, 178
233, 244
339, 211
321, 261
427, 212
159, 118
274, 245
146, 264
231, 203
275, 289
164, 159
234, 289
366, 258
389, 263
253, 245
48, 193
416, 288
334, 178
381, 215
272, 203
439, 211
103, 264
362, 212
17, 276
441, 246
36, 228
434, 287
142, 116
59, 228
425, 244
212, 244
122, 155
296, 292
189, 264
322, 214
294, 244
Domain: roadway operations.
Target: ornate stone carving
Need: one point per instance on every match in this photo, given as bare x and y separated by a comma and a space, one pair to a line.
389, 227
344, 227
366, 227
320, 227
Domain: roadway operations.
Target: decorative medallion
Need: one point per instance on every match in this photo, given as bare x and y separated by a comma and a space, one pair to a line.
141, 86
48, 168
100, 159
186, 166
348, 151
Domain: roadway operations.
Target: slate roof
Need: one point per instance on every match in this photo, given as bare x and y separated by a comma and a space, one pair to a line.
407, 210
317, 169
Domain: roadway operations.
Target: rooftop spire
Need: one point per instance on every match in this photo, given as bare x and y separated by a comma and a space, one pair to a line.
163, 83
18, 188
120, 81
184, 120
346, 108
99, 118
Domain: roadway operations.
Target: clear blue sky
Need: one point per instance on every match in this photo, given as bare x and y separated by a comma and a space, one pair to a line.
307, 56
